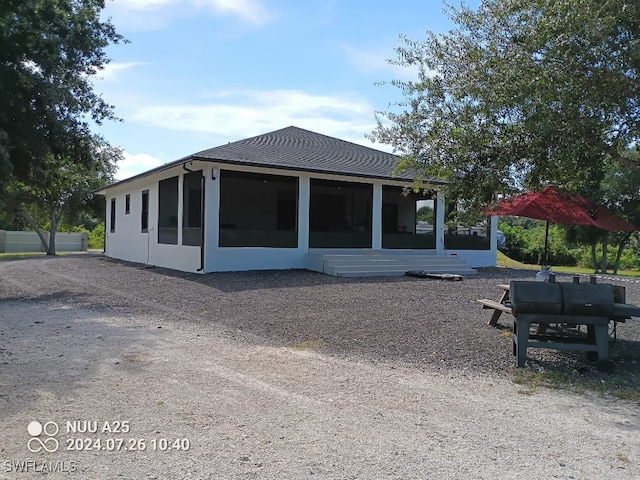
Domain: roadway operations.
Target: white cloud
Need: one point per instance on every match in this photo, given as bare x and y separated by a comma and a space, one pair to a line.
111, 70
132, 165
378, 61
252, 11
243, 114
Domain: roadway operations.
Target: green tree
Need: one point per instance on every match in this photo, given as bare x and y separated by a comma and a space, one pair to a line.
425, 214
520, 94
621, 191
49, 51
60, 185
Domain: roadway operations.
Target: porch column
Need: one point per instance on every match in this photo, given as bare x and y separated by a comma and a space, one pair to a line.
212, 214
180, 206
493, 239
304, 195
376, 217
439, 224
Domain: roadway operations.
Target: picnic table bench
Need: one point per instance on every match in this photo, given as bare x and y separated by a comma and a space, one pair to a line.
499, 307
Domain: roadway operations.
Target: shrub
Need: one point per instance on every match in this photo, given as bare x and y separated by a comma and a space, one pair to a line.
96, 237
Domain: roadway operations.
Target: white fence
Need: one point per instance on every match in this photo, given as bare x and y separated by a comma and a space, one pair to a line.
30, 242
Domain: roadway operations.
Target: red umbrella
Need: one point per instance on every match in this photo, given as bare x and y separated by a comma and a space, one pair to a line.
555, 206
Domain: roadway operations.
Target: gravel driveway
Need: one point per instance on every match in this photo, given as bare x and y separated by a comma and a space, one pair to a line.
145, 373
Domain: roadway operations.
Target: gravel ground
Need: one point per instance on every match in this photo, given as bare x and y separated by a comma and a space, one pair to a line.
289, 375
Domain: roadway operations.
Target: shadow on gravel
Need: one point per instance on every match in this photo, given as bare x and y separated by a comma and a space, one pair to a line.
571, 371
230, 282
60, 296
50, 348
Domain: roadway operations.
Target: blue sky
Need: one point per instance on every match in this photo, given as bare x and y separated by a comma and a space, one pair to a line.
200, 73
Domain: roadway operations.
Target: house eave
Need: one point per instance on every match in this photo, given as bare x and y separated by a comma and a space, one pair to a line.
195, 158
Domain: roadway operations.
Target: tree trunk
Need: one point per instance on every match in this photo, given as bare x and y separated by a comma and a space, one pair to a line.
603, 268
35, 228
594, 259
52, 232
621, 245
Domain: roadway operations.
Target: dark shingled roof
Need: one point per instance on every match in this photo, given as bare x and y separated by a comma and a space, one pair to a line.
294, 148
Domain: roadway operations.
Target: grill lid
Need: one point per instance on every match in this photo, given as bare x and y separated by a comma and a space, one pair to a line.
587, 299
535, 297
551, 298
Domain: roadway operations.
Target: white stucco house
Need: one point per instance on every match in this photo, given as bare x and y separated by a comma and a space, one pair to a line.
286, 199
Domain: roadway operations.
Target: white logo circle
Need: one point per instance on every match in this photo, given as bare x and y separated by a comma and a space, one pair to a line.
50, 429
34, 429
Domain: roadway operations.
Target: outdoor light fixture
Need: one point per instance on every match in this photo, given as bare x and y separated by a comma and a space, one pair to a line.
214, 173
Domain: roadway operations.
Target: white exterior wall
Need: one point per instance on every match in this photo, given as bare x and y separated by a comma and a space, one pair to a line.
129, 243
476, 258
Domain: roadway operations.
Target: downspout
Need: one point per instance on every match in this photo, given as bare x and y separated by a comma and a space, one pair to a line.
202, 216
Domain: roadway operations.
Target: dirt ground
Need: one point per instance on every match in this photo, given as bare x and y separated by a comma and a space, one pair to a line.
106, 374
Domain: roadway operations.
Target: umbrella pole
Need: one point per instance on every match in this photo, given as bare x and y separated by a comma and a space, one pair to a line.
545, 257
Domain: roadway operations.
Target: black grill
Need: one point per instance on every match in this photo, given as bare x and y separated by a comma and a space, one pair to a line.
583, 299
544, 303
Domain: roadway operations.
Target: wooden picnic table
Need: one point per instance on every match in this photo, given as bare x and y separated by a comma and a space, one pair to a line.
560, 331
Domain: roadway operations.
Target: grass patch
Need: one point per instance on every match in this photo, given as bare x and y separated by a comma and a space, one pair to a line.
504, 261
308, 345
19, 255
528, 393
22, 255
624, 384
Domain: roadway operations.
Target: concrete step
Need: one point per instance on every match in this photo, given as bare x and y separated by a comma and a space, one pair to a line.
399, 273
368, 265
434, 263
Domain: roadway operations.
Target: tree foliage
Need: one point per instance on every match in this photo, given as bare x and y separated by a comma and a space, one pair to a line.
50, 161
520, 94
425, 214
61, 186
527, 244
49, 51
619, 191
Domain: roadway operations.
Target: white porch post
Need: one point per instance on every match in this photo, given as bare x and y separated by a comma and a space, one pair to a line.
212, 215
376, 217
439, 224
304, 195
494, 239
180, 206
